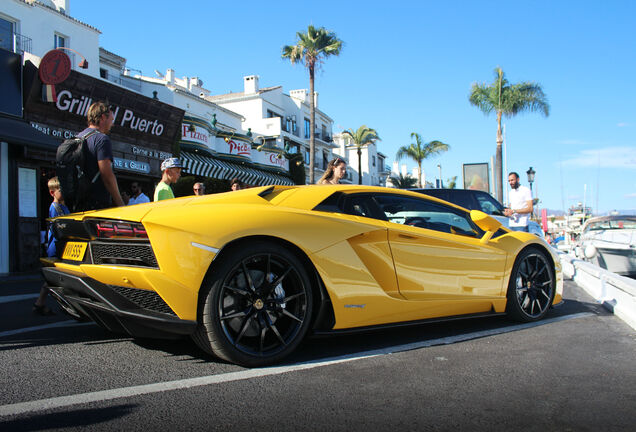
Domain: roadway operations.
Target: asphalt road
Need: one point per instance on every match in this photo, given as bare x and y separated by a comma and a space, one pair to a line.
575, 371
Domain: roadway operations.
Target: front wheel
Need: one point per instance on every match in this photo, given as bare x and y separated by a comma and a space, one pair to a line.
531, 287
256, 306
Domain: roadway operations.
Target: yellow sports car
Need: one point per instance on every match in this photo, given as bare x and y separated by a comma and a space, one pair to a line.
249, 274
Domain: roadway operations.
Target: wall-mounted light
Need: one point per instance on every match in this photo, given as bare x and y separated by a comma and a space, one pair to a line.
82, 64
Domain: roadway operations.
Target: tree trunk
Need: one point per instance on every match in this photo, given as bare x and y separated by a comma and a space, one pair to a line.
498, 162
419, 174
359, 166
312, 124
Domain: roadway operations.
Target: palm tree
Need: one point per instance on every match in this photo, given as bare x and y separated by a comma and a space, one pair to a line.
362, 137
418, 152
451, 182
309, 50
507, 99
403, 181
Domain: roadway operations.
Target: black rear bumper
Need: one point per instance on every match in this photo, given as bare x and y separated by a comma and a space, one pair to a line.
117, 309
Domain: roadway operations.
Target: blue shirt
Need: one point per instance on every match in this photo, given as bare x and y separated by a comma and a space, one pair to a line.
55, 210
99, 148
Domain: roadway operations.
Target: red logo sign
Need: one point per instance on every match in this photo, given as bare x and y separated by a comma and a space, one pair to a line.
273, 158
55, 67
240, 148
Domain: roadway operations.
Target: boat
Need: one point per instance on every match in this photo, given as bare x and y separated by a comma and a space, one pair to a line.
610, 243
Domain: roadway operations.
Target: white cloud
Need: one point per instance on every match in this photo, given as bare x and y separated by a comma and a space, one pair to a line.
630, 195
622, 124
610, 157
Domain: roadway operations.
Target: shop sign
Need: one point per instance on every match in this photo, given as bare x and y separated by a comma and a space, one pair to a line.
131, 165
195, 134
60, 133
128, 119
271, 159
156, 154
234, 146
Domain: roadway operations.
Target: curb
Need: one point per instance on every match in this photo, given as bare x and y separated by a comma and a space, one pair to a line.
616, 293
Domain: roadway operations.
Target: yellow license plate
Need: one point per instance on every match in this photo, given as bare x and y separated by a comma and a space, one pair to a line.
74, 251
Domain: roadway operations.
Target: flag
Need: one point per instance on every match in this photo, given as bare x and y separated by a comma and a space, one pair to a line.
48, 93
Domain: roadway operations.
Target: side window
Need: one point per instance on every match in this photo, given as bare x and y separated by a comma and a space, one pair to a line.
488, 205
425, 214
363, 205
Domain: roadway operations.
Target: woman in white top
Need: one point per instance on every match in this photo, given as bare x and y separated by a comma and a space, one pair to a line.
336, 170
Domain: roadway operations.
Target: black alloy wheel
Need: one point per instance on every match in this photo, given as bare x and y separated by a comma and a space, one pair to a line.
532, 286
258, 306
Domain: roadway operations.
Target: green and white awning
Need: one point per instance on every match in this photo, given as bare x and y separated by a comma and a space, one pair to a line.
207, 166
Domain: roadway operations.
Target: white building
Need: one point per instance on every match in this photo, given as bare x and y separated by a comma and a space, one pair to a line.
374, 169
281, 120
38, 26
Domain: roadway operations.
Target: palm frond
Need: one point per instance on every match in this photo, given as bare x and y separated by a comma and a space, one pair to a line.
403, 181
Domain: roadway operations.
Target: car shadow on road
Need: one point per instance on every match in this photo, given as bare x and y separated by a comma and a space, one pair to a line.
75, 333
318, 347
68, 418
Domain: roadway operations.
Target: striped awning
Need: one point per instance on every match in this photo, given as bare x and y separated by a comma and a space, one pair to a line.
207, 166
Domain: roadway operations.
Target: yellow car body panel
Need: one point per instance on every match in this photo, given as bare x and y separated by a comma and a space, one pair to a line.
374, 271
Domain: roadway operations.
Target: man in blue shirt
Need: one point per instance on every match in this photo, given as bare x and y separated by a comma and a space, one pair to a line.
99, 158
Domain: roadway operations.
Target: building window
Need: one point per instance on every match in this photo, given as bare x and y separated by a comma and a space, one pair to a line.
306, 157
373, 159
307, 128
6, 34
325, 160
103, 73
60, 41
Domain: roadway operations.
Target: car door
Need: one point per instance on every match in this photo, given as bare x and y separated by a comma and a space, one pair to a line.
437, 251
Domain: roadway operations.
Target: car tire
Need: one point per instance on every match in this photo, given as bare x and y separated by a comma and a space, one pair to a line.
532, 286
255, 306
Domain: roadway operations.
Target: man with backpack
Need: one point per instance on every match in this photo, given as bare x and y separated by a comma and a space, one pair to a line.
98, 163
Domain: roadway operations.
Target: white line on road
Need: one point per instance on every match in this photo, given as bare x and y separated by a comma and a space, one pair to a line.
104, 395
20, 297
42, 327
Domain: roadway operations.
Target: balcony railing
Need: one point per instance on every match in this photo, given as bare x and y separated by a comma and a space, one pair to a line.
19, 44
128, 82
323, 137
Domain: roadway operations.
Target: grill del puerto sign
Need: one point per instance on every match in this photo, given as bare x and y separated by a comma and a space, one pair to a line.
66, 101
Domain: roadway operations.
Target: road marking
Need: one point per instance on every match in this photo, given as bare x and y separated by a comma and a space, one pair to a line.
105, 395
42, 327
15, 298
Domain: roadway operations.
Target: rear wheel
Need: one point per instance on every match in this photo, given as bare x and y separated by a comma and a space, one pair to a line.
256, 306
531, 287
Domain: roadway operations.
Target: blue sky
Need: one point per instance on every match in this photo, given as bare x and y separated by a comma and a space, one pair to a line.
407, 66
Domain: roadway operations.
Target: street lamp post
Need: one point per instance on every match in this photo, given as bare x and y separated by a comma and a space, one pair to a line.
531, 174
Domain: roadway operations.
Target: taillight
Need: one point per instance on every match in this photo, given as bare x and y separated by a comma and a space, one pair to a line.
117, 229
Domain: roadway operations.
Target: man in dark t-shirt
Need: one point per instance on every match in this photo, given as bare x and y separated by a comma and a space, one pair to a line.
99, 158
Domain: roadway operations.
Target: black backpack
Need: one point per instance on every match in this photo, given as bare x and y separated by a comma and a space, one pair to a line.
70, 167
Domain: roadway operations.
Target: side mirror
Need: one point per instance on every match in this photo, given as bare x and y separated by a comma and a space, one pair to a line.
486, 223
